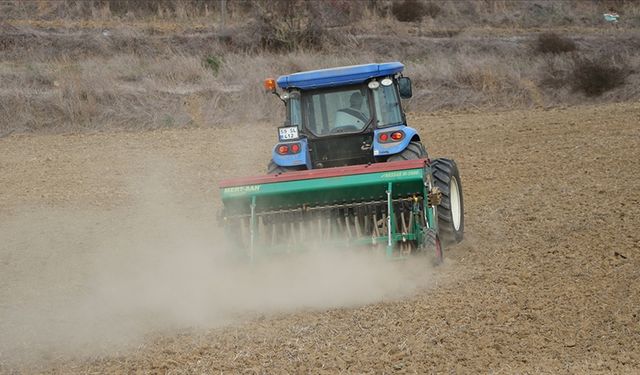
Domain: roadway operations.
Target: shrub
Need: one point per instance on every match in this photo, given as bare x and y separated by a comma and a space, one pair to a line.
554, 43
479, 79
554, 72
282, 36
336, 12
594, 77
432, 10
36, 76
409, 10
282, 26
213, 63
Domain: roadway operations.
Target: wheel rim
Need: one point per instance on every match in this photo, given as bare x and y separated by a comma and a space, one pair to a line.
454, 199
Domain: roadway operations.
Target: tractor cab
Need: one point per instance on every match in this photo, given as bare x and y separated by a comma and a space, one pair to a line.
341, 116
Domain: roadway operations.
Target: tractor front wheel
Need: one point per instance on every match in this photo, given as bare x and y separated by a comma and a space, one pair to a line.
451, 209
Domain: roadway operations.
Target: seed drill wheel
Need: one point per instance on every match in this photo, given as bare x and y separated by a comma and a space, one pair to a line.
451, 209
432, 245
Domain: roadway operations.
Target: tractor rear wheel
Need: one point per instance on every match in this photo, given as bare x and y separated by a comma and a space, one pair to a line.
274, 168
451, 209
414, 150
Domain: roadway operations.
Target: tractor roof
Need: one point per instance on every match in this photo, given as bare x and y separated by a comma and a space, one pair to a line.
346, 75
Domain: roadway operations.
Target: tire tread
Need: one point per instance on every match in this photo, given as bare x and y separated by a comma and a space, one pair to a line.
414, 150
442, 171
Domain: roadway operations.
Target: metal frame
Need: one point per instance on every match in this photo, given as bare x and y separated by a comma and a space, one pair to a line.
413, 225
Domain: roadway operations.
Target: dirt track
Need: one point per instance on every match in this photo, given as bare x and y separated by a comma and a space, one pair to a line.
545, 281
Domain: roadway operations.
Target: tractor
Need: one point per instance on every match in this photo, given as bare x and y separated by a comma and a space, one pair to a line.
346, 170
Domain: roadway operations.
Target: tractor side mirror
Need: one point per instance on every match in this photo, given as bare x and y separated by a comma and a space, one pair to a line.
404, 86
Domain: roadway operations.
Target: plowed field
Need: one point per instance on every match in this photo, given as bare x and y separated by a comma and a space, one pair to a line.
105, 263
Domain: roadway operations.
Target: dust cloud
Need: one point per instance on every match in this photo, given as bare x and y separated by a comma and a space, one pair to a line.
81, 282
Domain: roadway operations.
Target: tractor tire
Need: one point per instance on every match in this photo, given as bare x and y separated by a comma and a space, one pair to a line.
414, 150
451, 209
274, 168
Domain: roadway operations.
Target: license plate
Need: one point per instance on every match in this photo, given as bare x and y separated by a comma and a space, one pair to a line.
288, 133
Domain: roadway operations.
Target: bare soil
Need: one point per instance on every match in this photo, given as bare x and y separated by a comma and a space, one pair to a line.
546, 280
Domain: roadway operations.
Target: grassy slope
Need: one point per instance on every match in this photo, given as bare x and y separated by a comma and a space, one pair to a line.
101, 71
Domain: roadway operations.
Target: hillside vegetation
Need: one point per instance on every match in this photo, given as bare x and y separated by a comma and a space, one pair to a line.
102, 65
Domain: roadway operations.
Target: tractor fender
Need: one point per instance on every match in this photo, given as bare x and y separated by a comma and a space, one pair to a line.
291, 160
385, 149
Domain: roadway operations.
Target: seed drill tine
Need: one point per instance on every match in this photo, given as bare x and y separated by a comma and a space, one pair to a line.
356, 221
292, 235
366, 220
339, 223
328, 228
284, 227
412, 213
347, 224
259, 230
432, 212
302, 230
390, 222
252, 226
244, 233
273, 232
375, 225
403, 222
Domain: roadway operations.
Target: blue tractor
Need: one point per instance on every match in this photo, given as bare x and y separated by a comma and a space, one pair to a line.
344, 116
352, 116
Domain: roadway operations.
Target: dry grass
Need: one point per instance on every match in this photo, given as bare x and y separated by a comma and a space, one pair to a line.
89, 67
128, 91
444, 13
